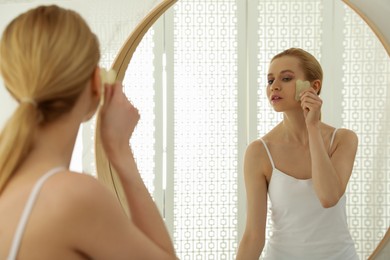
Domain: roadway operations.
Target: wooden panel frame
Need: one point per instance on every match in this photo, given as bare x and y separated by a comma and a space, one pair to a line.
106, 174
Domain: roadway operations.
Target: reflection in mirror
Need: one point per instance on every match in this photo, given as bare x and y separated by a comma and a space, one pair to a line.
204, 116
353, 87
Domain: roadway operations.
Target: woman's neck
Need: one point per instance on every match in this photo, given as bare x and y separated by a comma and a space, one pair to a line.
294, 128
54, 143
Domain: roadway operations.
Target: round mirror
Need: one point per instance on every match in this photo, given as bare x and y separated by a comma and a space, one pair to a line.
206, 102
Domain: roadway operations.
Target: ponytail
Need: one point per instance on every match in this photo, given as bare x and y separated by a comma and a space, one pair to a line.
47, 57
16, 139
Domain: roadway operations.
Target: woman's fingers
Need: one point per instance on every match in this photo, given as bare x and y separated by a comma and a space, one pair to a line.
119, 119
310, 98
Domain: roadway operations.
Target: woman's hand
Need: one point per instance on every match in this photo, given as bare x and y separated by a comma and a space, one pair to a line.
311, 104
118, 120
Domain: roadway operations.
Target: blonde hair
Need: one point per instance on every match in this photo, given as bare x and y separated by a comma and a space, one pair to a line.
309, 64
47, 56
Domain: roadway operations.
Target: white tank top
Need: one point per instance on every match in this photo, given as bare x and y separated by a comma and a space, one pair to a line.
301, 228
27, 211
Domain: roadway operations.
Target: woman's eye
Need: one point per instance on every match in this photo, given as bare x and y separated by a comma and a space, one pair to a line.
286, 79
270, 81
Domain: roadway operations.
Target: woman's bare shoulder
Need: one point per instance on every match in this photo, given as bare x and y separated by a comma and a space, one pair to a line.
257, 159
339, 132
81, 197
346, 137
256, 149
342, 135
346, 133
73, 189
338, 138
81, 208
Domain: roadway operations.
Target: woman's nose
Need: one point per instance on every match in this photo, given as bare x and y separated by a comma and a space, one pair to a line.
275, 86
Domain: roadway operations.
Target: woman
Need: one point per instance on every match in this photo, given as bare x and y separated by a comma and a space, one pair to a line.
304, 166
49, 63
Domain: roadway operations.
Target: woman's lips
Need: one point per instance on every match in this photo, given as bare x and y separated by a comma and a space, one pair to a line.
275, 98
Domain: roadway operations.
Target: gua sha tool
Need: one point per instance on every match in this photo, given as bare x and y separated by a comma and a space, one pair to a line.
107, 77
300, 86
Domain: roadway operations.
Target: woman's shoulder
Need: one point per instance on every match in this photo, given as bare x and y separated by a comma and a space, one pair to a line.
346, 136
341, 134
74, 199
81, 209
256, 147
76, 192
68, 185
339, 138
256, 156
345, 132
73, 181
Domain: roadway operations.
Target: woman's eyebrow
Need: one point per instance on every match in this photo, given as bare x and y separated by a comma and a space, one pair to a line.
283, 71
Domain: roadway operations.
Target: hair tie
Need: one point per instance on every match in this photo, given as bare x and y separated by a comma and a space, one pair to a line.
29, 101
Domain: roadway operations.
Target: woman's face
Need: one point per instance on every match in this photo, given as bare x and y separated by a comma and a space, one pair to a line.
281, 79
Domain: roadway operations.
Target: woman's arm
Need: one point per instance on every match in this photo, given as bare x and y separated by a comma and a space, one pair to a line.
119, 118
330, 173
93, 224
252, 242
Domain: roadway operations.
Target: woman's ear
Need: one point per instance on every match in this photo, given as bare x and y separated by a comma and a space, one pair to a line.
96, 84
317, 86
93, 91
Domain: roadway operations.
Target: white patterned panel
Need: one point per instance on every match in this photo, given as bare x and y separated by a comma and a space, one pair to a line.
366, 105
205, 129
284, 24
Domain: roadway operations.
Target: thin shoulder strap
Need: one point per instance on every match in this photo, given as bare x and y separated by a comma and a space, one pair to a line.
332, 139
269, 154
27, 211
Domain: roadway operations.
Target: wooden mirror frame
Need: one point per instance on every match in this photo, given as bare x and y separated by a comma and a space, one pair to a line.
382, 251
106, 174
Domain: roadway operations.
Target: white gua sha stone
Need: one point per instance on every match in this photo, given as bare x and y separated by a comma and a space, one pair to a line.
300, 86
107, 77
